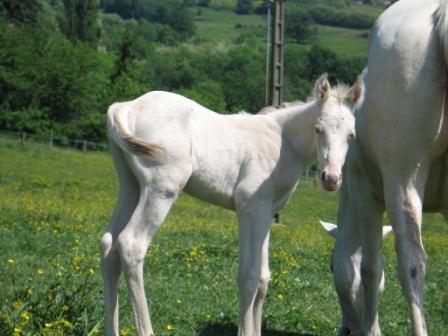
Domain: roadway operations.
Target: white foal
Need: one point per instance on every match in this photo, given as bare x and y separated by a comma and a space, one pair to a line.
163, 143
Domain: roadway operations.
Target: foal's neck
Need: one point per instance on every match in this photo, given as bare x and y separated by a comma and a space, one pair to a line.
298, 118
297, 126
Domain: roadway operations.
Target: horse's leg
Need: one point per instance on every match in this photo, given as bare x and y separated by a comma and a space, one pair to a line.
346, 268
404, 196
254, 224
262, 286
371, 262
111, 268
159, 188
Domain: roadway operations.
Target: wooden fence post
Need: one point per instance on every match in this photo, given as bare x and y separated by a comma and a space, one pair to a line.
50, 144
22, 139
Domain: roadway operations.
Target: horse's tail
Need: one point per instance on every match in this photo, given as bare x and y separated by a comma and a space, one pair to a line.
441, 26
122, 136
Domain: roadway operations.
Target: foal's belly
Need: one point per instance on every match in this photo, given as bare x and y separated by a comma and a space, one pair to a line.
213, 188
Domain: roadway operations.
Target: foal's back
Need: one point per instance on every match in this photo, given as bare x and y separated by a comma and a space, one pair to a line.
216, 148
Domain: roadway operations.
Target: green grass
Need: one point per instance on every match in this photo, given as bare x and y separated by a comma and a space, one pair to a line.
215, 26
221, 28
56, 203
343, 41
372, 10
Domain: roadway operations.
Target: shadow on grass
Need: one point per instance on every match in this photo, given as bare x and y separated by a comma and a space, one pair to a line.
232, 330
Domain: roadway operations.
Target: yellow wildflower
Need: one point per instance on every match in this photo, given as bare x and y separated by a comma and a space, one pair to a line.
25, 315
66, 323
280, 296
194, 252
40, 271
17, 304
125, 331
16, 331
11, 261
169, 327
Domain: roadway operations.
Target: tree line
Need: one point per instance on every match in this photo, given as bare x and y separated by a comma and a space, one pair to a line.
62, 68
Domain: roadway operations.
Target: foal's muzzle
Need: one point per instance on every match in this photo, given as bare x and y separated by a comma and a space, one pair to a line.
331, 178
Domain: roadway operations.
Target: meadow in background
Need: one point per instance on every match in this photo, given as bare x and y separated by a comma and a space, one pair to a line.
56, 203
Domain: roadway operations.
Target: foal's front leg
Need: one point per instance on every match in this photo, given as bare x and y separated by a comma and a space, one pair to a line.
254, 224
265, 276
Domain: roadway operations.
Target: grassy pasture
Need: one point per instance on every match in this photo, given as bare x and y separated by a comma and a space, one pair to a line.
55, 204
343, 41
223, 27
213, 26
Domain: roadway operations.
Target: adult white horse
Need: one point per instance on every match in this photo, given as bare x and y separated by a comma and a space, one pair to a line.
163, 143
398, 162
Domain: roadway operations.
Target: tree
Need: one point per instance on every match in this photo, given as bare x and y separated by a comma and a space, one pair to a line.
243, 78
297, 79
204, 3
322, 60
174, 13
299, 25
208, 93
80, 20
24, 11
244, 7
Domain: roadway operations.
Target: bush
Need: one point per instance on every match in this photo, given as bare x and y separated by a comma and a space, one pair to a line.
30, 119
299, 25
330, 16
208, 93
174, 13
204, 3
244, 7
346, 70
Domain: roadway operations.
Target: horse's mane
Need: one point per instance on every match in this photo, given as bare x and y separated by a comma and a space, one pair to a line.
270, 109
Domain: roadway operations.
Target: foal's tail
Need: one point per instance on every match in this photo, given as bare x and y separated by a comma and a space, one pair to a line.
441, 27
121, 135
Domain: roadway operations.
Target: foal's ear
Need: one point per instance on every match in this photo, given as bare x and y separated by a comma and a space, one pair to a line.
355, 96
322, 88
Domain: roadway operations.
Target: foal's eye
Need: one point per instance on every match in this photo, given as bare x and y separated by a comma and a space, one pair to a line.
318, 129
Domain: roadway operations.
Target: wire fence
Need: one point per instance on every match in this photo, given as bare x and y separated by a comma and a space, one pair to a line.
51, 139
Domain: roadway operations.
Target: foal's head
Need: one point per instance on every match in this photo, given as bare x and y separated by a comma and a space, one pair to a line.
335, 127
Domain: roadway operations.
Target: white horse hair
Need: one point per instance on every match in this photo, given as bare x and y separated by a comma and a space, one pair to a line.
163, 143
397, 164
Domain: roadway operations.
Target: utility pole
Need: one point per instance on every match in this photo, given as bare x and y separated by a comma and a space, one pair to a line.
278, 28
276, 78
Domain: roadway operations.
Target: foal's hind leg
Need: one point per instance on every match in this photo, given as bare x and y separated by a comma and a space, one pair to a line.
111, 268
159, 189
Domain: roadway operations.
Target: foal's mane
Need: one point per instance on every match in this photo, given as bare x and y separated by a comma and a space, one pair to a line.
340, 92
